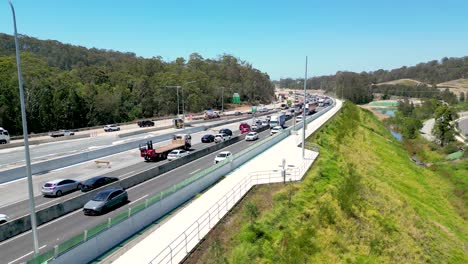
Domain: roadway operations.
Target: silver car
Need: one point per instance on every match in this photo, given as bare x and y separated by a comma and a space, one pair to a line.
60, 186
251, 136
105, 200
111, 128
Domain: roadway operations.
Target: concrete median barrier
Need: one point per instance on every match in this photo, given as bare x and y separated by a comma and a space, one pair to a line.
23, 224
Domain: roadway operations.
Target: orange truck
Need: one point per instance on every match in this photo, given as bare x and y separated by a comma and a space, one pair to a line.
179, 141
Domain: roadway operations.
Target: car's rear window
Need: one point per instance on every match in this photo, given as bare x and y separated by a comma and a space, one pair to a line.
222, 155
174, 152
101, 196
49, 185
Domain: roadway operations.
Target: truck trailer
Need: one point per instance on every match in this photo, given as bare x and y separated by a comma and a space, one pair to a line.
278, 120
179, 141
210, 114
310, 108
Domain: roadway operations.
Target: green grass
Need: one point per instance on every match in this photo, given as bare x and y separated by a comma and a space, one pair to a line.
364, 201
389, 104
461, 106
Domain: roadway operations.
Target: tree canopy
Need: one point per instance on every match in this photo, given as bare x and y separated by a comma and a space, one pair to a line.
70, 86
358, 87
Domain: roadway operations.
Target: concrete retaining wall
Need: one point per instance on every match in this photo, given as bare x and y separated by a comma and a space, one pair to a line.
41, 141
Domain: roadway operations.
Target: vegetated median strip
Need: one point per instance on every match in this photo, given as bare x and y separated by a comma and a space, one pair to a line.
26, 255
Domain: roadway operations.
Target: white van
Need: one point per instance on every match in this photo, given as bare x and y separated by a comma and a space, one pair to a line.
4, 136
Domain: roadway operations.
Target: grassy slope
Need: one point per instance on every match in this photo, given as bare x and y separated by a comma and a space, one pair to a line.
408, 82
460, 83
363, 201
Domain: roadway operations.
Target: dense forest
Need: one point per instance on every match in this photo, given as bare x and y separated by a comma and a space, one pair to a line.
70, 86
358, 87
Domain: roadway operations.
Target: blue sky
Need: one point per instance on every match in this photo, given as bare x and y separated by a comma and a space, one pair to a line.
274, 36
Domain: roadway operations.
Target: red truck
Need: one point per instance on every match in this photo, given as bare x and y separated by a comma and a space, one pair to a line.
179, 141
244, 128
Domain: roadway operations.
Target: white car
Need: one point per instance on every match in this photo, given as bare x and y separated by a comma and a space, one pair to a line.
222, 156
111, 128
298, 119
221, 137
3, 218
275, 130
177, 153
251, 136
265, 123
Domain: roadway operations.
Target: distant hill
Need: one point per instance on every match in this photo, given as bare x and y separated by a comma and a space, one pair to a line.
455, 86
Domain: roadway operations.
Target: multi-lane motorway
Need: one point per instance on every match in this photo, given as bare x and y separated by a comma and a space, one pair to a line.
18, 249
14, 195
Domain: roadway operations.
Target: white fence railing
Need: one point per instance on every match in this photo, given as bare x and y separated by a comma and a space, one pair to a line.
190, 237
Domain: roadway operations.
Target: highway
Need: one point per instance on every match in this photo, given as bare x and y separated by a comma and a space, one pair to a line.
13, 195
19, 249
13, 157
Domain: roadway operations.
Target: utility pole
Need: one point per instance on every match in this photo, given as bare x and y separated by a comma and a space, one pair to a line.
26, 141
303, 113
222, 101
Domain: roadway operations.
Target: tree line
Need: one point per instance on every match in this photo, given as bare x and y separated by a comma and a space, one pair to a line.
70, 87
358, 87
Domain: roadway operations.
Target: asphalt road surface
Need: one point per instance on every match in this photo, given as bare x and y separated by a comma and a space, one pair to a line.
19, 249
14, 195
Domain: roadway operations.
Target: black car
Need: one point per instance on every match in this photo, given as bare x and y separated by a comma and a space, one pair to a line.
226, 131
96, 182
145, 123
207, 138
105, 201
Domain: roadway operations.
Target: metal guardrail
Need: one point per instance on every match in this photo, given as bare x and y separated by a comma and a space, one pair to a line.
87, 234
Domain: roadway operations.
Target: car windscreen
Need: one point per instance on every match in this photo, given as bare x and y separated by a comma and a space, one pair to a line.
101, 196
174, 152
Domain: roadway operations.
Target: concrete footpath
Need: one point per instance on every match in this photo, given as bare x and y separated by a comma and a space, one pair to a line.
172, 241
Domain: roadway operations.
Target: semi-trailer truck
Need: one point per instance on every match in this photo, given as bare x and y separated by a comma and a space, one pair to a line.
278, 120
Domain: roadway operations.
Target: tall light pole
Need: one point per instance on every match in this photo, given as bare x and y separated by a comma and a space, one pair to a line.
26, 142
178, 102
222, 101
303, 112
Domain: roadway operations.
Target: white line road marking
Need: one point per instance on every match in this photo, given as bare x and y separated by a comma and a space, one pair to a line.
194, 171
143, 197
128, 173
26, 255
